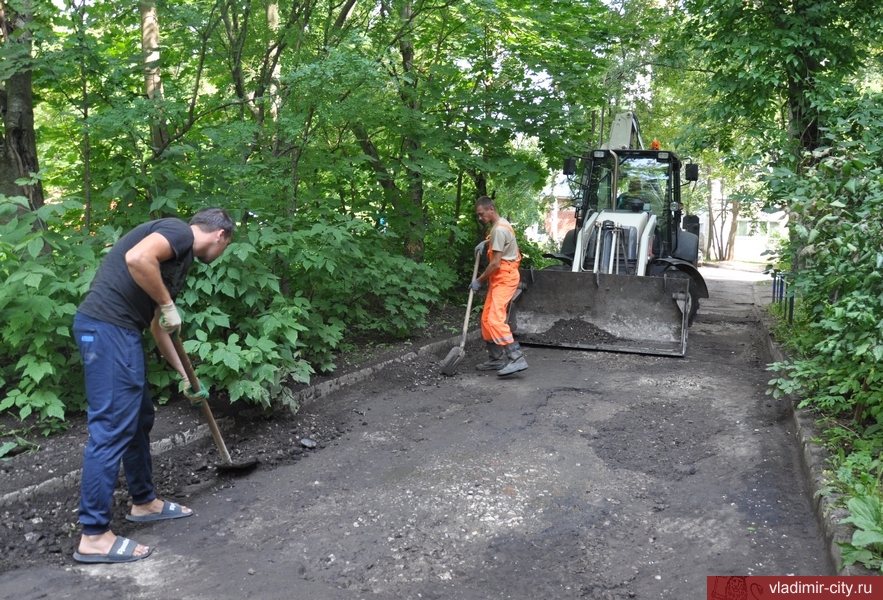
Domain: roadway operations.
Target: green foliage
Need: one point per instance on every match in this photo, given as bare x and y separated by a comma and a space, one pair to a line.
311, 131
6, 448
15, 446
774, 69
344, 268
271, 311
837, 335
43, 281
855, 457
835, 229
866, 546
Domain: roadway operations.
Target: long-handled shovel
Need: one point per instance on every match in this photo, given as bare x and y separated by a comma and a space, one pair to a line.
458, 353
228, 464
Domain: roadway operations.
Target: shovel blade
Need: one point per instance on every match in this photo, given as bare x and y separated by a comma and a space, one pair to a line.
614, 313
452, 361
233, 467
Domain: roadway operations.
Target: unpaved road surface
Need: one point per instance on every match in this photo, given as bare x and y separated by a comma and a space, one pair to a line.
590, 475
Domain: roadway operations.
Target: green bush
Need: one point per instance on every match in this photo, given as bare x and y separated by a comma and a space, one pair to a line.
835, 241
44, 275
271, 311
837, 335
866, 545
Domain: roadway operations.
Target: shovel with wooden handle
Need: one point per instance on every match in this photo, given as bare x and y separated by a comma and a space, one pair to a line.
228, 463
458, 353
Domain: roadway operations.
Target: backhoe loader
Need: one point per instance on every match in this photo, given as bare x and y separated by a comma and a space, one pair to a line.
627, 279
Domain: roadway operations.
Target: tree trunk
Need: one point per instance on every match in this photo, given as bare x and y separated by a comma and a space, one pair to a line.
734, 224
709, 230
458, 202
411, 209
479, 180
87, 153
159, 133
713, 216
273, 52
18, 142
78, 16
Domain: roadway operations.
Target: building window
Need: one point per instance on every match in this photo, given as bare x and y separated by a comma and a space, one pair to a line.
747, 228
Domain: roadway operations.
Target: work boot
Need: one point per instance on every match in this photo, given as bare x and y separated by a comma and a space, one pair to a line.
516, 360
497, 358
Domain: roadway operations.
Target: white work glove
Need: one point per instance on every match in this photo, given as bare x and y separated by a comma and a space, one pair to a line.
170, 319
476, 285
481, 248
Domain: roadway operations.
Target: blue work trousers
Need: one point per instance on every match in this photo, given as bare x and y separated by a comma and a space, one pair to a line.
120, 418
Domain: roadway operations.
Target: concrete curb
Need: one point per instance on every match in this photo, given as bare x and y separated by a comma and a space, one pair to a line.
303, 398
813, 462
72, 479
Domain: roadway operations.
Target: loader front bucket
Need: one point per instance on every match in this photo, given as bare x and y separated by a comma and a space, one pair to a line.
615, 313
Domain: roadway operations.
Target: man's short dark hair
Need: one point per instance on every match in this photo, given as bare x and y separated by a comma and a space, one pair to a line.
485, 202
212, 219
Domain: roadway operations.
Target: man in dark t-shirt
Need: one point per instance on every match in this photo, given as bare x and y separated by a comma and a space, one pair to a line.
134, 289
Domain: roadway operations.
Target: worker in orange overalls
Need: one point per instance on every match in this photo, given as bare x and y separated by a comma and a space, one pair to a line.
502, 277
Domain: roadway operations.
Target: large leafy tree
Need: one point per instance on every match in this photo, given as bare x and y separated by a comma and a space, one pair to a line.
347, 138
775, 65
